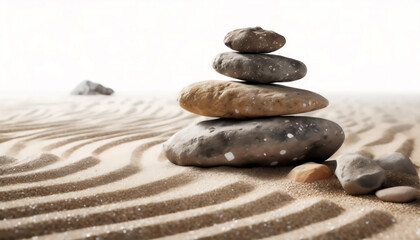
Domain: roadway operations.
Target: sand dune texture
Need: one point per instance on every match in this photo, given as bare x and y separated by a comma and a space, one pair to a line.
92, 167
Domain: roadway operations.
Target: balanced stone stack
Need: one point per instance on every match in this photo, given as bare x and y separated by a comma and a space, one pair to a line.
252, 129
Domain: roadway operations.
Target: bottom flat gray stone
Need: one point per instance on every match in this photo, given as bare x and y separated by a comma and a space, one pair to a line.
267, 141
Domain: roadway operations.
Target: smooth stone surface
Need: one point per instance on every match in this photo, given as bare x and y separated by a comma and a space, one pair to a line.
259, 68
91, 88
232, 99
254, 40
398, 194
259, 142
359, 174
309, 172
397, 162
400, 171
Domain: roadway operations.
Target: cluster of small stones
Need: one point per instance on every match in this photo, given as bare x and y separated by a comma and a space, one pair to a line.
252, 129
394, 173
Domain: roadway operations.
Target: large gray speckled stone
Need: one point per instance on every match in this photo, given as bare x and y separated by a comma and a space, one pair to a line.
260, 68
254, 40
91, 88
264, 142
398, 194
359, 174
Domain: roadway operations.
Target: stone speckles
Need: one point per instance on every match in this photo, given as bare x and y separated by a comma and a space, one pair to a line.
229, 156
254, 40
255, 67
195, 145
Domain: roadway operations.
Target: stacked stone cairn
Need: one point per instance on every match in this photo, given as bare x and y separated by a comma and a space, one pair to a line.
253, 126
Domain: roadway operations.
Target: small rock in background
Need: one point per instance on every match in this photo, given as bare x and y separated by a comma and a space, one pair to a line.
397, 162
254, 40
398, 194
400, 171
359, 174
91, 88
309, 172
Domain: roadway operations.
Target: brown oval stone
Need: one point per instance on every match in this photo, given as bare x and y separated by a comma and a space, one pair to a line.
254, 40
230, 99
309, 172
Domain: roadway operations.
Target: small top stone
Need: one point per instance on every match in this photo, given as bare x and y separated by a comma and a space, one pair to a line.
254, 40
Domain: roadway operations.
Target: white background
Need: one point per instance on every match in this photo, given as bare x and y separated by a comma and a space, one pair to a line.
152, 45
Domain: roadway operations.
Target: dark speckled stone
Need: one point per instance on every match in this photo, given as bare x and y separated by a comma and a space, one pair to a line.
259, 68
254, 40
262, 142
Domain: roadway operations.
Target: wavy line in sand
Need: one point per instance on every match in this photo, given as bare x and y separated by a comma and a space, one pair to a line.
354, 136
141, 191
363, 227
104, 134
113, 176
264, 204
31, 127
40, 162
101, 180
50, 174
407, 147
138, 152
115, 143
389, 134
83, 137
71, 150
213, 197
19, 146
317, 212
6, 160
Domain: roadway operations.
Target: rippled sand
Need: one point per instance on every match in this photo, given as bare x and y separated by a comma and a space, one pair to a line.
86, 167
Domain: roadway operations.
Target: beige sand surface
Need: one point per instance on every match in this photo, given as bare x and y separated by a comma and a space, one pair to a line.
88, 167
